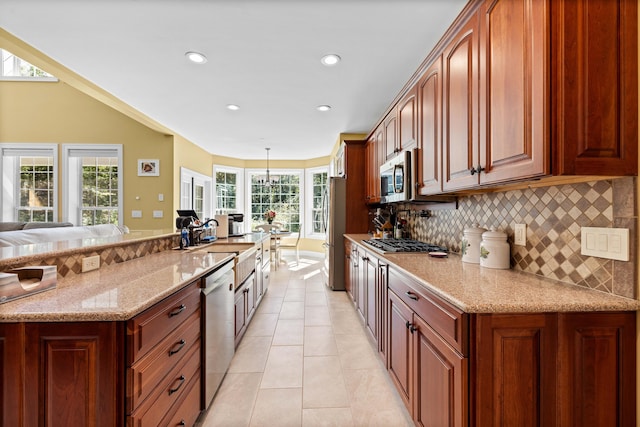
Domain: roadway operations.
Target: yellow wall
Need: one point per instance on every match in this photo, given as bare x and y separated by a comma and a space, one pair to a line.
57, 113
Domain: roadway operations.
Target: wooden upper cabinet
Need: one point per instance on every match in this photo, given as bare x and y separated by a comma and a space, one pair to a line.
595, 87
460, 108
430, 130
407, 121
390, 124
372, 168
514, 141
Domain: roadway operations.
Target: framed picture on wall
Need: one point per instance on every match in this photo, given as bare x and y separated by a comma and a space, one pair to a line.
148, 167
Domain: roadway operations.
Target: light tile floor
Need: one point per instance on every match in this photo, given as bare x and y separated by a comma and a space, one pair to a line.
305, 360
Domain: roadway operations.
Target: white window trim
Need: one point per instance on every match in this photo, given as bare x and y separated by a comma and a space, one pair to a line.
69, 181
241, 189
26, 147
187, 175
308, 216
300, 172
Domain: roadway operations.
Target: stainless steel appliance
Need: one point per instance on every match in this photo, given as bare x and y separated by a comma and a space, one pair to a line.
218, 331
236, 221
333, 223
402, 245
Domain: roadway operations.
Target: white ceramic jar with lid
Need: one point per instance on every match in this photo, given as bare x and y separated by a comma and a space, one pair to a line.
470, 248
494, 250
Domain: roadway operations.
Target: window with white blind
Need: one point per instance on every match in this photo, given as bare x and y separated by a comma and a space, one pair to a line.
229, 188
92, 184
317, 180
29, 182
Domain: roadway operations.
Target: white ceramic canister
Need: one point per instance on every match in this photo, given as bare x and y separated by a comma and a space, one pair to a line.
495, 250
470, 248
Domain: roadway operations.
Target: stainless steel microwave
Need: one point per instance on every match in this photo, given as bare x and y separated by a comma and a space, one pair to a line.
398, 178
395, 179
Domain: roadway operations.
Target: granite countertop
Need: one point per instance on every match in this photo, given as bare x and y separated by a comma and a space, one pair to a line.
475, 289
115, 292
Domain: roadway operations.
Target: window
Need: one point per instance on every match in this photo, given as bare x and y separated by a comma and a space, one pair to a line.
229, 189
284, 197
195, 193
93, 184
317, 180
15, 68
29, 182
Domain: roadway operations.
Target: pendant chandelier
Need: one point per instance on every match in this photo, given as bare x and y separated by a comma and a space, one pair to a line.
268, 180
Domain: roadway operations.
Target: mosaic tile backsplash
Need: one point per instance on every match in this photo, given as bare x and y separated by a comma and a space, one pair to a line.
554, 216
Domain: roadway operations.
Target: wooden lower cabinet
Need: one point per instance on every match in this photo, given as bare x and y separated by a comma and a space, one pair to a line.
524, 369
72, 374
245, 306
11, 379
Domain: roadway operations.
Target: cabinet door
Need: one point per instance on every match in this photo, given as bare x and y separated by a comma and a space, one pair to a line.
399, 351
460, 108
441, 378
516, 370
72, 374
407, 121
240, 314
595, 87
597, 369
372, 310
390, 135
383, 271
514, 141
372, 171
348, 268
11, 348
250, 296
429, 173
361, 288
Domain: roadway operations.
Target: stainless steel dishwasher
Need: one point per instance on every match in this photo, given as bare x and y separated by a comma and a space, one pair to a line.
217, 328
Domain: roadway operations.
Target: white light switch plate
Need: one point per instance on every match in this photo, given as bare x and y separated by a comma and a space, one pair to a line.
520, 235
158, 214
136, 214
610, 243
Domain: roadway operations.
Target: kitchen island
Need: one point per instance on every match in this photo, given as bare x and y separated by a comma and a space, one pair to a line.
115, 346
466, 345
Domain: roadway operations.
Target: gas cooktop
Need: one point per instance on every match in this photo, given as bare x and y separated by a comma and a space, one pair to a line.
402, 245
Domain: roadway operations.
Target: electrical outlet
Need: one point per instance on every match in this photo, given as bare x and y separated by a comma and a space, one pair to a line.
90, 263
520, 235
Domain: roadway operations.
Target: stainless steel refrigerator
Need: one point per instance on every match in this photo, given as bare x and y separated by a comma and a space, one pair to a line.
334, 225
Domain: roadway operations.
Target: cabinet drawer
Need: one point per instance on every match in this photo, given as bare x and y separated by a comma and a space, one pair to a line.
148, 328
189, 409
169, 392
448, 321
144, 375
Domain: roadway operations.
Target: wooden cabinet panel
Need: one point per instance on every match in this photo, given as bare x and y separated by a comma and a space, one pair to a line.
361, 288
399, 350
516, 370
390, 124
188, 410
356, 210
72, 374
430, 130
372, 170
441, 380
11, 380
407, 121
595, 87
348, 268
372, 308
514, 141
460, 108
597, 369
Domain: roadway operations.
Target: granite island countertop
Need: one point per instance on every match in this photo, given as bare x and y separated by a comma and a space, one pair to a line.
115, 292
476, 289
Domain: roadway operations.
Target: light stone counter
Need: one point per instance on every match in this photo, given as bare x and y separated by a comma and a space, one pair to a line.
481, 290
114, 292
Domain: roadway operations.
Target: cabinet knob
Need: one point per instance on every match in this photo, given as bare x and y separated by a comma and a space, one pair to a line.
180, 346
173, 390
477, 170
177, 310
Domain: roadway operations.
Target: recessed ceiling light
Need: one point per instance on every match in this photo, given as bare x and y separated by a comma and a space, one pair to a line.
196, 57
323, 107
330, 59
233, 107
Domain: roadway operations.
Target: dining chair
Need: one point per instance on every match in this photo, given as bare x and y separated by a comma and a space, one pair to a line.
275, 242
291, 245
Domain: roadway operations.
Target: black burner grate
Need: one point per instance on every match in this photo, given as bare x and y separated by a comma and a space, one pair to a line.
403, 245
